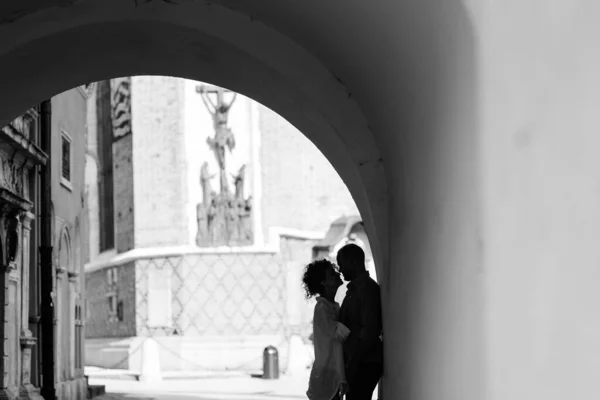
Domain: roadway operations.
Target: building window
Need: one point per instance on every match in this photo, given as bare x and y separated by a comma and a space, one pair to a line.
115, 307
66, 160
120, 310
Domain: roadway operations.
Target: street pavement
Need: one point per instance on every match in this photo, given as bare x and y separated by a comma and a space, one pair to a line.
234, 387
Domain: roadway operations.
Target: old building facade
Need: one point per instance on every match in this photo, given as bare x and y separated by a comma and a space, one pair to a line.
214, 203
69, 128
20, 233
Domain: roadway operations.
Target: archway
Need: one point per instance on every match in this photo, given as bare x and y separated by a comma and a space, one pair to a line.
323, 112
302, 91
306, 115
304, 76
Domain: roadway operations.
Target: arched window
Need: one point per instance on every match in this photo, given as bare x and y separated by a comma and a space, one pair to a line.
64, 251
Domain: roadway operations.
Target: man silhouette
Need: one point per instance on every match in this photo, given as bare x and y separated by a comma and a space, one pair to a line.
361, 313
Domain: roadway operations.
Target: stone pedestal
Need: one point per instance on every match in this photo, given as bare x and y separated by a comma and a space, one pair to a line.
27, 341
12, 209
59, 317
150, 369
27, 390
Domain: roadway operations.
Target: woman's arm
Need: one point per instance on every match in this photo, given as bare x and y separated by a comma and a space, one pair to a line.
341, 332
325, 320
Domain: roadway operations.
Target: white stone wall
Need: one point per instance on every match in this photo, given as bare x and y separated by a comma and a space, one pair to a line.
292, 184
300, 187
91, 179
159, 180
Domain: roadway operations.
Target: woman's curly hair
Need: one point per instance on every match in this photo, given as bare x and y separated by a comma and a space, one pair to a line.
314, 274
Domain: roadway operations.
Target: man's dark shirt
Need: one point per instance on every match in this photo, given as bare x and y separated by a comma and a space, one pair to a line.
361, 313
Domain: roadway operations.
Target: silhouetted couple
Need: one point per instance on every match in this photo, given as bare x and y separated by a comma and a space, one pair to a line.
347, 340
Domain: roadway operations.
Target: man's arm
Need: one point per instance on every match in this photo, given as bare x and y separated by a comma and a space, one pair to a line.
368, 336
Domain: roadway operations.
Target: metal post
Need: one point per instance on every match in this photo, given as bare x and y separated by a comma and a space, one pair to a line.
46, 277
270, 363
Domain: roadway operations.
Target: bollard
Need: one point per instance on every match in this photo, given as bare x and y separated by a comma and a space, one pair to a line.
270, 363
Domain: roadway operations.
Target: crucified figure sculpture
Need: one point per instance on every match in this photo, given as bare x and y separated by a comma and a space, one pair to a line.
224, 137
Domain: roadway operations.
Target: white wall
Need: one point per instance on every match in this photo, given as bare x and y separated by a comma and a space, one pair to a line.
91, 181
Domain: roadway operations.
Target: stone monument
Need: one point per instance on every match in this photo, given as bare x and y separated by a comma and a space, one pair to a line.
224, 218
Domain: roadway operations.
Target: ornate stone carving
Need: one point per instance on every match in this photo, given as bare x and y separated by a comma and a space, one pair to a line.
18, 154
224, 218
12, 208
12, 242
11, 176
24, 125
27, 390
224, 137
120, 90
27, 340
205, 178
73, 276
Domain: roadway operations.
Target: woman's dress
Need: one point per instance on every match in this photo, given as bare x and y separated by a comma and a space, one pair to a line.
328, 368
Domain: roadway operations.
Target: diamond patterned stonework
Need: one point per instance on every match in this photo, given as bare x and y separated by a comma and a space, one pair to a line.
214, 294
209, 311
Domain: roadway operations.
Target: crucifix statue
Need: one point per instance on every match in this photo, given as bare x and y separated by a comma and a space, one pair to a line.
224, 137
224, 218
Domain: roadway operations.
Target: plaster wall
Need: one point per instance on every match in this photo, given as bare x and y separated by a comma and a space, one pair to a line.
541, 199
69, 116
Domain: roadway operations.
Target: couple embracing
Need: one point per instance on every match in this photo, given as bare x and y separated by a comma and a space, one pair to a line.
347, 339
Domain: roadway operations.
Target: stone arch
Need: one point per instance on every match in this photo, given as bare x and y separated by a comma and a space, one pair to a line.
286, 78
65, 253
408, 143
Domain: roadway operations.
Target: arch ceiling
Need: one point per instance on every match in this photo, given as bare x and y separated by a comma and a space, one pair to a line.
337, 82
361, 79
415, 103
